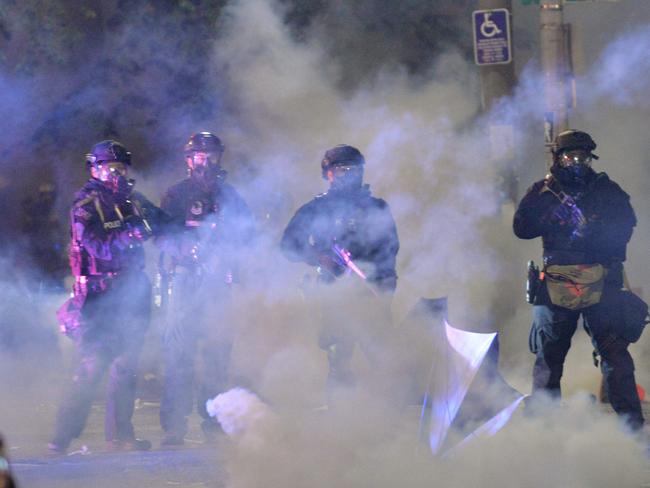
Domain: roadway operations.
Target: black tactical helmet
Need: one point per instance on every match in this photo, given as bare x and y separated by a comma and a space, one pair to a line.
574, 139
341, 155
204, 142
108, 150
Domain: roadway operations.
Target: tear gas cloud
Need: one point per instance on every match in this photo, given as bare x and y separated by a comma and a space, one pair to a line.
363, 447
428, 153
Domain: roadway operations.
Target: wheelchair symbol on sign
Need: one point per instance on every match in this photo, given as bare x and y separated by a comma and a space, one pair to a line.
488, 27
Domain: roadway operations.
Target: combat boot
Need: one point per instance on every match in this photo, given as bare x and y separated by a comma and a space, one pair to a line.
129, 445
172, 440
56, 449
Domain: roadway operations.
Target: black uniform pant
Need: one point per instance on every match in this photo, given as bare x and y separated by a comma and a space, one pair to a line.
550, 339
197, 346
115, 319
351, 315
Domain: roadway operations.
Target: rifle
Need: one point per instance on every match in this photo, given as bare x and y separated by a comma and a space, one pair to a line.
343, 259
137, 222
569, 212
576, 218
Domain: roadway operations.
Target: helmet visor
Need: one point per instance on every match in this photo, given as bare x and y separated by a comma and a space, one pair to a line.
576, 157
199, 159
108, 170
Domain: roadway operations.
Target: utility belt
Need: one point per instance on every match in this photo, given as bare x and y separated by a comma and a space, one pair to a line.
565, 257
189, 271
201, 274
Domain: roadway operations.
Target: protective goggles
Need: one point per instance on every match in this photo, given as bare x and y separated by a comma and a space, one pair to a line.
343, 169
576, 157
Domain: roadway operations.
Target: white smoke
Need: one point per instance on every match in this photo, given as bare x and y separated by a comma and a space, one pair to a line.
428, 156
241, 414
573, 446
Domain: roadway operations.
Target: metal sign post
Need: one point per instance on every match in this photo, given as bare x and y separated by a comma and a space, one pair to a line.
494, 56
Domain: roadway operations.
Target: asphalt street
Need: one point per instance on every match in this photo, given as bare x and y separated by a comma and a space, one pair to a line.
89, 463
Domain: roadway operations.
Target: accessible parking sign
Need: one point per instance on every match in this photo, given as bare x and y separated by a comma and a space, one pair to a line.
492, 36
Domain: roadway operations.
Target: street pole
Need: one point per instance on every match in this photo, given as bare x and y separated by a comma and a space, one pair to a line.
555, 67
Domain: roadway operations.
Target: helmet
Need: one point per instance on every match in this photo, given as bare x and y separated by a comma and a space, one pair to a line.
203, 153
204, 142
341, 155
573, 139
112, 174
572, 157
108, 150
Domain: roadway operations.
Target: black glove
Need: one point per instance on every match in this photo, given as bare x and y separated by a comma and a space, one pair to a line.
330, 264
561, 214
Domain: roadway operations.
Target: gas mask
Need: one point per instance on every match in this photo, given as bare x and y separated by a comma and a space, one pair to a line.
573, 167
204, 167
345, 178
114, 175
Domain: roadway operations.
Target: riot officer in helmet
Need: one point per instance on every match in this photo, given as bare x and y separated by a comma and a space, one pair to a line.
585, 221
210, 223
109, 312
350, 238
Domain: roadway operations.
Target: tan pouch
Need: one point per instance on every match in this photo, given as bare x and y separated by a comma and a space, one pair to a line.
575, 286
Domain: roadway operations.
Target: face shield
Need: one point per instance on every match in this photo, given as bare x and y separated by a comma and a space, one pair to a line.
204, 166
114, 175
